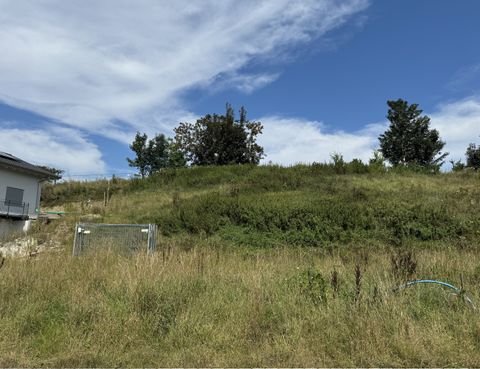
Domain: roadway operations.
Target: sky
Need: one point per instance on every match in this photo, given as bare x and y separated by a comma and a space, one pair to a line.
78, 78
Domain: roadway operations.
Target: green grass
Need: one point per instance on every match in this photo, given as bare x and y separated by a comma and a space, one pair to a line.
304, 206
243, 275
217, 306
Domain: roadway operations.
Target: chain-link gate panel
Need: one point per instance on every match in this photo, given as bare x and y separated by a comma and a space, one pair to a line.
121, 237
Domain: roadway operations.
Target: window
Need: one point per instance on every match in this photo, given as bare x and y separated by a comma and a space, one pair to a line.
14, 196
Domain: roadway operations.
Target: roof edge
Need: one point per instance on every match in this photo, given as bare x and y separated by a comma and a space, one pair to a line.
23, 166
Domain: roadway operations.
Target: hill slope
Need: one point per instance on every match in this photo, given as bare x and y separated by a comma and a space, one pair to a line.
257, 266
301, 205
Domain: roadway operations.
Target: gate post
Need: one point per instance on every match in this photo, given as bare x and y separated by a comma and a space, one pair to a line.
77, 239
152, 230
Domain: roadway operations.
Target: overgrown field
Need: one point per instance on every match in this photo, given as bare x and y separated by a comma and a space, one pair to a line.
256, 266
210, 306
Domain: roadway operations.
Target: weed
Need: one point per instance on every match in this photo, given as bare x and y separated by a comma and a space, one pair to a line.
358, 282
335, 283
404, 265
312, 286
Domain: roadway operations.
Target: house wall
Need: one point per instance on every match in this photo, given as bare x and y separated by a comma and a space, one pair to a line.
29, 184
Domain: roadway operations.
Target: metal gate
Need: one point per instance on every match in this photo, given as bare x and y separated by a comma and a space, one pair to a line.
120, 237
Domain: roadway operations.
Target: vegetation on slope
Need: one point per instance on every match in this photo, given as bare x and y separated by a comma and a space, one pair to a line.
257, 266
318, 205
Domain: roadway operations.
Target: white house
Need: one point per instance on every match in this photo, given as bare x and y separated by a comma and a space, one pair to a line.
20, 188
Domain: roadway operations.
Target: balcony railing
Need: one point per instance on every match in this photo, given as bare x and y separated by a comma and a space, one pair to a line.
14, 209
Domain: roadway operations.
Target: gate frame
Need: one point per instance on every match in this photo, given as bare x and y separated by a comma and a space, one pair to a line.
151, 229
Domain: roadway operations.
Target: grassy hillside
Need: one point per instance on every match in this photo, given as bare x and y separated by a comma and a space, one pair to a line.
302, 205
256, 266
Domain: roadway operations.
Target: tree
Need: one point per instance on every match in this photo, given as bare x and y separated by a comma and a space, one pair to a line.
473, 156
377, 162
139, 147
176, 159
220, 139
56, 173
409, 140
457, 166
155, 154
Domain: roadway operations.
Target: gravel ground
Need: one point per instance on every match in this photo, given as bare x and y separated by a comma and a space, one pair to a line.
24, 246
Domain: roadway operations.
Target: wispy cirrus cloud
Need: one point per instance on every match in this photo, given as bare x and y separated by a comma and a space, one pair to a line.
112, 67
246, 83
466, 79
92, 64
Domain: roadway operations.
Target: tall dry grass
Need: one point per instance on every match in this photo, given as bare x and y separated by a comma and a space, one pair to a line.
257, 266
197, 303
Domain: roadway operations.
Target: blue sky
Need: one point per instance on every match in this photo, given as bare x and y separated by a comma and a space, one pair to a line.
78, 78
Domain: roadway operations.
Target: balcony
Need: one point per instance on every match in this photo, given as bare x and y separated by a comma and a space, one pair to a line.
13, 209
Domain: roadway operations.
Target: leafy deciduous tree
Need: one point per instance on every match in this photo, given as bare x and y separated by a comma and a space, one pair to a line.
176, 159
139, 147
473, 156
155, 154
457, 166
220, 139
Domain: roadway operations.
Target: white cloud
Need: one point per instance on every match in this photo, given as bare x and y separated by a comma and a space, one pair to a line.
459, 124
111, 67
63, 148
465, 79
90, 63
294, 140
246, 83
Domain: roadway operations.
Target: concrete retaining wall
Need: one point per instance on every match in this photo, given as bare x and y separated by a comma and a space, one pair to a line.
9, 227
